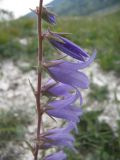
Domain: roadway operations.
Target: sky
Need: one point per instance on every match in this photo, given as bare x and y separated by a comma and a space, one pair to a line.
20, 7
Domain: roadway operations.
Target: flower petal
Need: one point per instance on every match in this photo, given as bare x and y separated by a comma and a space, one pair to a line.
65, 102
69, 113
75, 79
56, 156
66, 46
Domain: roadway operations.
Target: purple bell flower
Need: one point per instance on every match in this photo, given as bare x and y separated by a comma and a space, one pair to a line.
65, 109
66, 46
57, 89
78, 65
70, 77
69, 113
60, 137
65, 102
56, 156
67, 72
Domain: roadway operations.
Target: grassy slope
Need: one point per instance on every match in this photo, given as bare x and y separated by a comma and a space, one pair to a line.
97, 32
80, 7
101, 33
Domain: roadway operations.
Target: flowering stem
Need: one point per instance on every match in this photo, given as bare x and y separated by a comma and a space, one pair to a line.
38, 92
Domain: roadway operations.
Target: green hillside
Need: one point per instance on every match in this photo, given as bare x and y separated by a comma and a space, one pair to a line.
96, 32
101, 33
81, 7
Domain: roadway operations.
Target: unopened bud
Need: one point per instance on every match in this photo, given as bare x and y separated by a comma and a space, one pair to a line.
48, 16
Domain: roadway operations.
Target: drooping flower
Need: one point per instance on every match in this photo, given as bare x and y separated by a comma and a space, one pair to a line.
65, 108
71, 77
56, 156
66, 46
57, 89
69, 113
60, 137
48, 16
66, 101
68, 72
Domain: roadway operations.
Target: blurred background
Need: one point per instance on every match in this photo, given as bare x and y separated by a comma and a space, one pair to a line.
94, 24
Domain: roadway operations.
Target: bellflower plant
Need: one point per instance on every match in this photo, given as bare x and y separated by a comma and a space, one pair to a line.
62, 90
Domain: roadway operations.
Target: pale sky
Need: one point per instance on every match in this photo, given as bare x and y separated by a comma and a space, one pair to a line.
20, 7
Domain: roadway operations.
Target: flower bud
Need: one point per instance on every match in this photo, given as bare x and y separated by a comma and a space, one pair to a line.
48, 16
66, 46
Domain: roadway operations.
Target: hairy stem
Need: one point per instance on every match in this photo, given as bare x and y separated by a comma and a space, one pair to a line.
38, 92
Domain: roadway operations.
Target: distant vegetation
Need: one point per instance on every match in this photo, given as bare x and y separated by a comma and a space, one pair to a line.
80, 7
18, 38
96, 140
101, 33
13, 127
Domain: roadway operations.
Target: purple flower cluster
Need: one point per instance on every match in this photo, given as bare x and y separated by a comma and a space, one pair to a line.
67, 78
